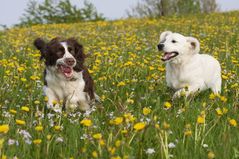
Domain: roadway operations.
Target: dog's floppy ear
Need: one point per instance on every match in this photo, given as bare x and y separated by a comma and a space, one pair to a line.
163, 36
40, 44
194, 44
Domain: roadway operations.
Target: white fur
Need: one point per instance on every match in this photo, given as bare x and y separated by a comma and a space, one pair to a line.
189, 69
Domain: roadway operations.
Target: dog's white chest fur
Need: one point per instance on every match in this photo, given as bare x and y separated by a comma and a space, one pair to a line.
70, 91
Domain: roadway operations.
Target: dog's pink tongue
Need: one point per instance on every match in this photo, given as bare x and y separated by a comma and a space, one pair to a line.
166, 56
67, 71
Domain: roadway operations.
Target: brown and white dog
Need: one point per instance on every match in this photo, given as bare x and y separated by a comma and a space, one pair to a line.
66, 79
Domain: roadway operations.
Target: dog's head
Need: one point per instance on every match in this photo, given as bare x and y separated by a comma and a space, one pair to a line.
64, 56
177, 46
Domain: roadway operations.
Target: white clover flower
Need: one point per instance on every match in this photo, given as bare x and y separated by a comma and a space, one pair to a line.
171, 145
59, 139
11, 142
28, 141
205, 145
150, 151
25, 134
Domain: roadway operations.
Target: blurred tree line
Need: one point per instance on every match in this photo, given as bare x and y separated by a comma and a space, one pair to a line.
157, 8
63, 11
58, 11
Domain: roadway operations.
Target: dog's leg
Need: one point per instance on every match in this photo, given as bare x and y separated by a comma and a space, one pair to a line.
78, 100
216, 87
52, 102
84, 105
189, 90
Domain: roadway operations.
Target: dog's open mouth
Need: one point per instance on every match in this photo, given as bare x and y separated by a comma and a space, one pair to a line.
169, 55
66, 70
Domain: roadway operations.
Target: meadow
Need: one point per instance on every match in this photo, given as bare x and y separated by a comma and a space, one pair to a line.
137, 118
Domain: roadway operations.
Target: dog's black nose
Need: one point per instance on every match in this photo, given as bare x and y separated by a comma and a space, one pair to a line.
69, 61
160, 46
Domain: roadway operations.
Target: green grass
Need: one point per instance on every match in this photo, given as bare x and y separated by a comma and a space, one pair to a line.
129, 76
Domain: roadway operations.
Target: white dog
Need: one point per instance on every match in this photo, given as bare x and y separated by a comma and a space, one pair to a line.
186, 68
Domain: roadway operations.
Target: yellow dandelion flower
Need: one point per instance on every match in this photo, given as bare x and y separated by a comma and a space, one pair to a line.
101, 142
188, 133
48, 137
233, 122
103, 97
34, 78
111, 150
83, 149
117, 143
1, 142
234, 85
37, 141
95, 154
201, 120
157, 126
46, 99
139, 126
121, 84
97, 136
20, 69
117, 121
90, 71
224, 110
23, 79
204, 104
39, 128
166, 125
57, 127
25, 108
4, 128
124, 131
20, 122
4, 157
210, 155
130, 101
167, 105
225, 77
125, 157
54, 102
151, 68
36, 102
12, 111
223, 99
115, 157
219, 111
129, 117
86, 122
146, 110
188, 126
212, 96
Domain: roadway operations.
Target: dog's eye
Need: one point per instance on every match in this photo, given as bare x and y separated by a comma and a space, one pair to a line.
62, 49
69, 49
173, 41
